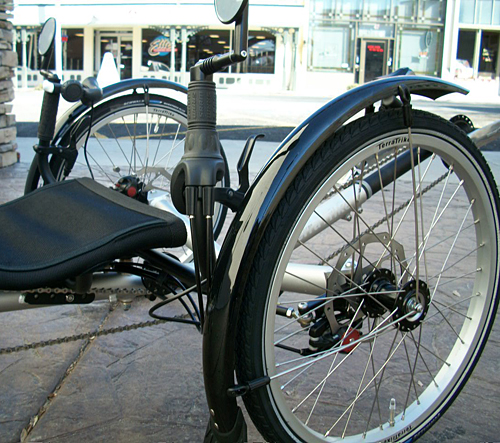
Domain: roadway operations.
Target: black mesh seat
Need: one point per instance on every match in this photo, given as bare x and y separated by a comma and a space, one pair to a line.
63, 230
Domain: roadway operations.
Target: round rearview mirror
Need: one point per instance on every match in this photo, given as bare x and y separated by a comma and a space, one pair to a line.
229, 11
46, 37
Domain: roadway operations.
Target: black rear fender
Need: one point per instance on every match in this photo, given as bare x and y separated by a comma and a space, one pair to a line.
250, 222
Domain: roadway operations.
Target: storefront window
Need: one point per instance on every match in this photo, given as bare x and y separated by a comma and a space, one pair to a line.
330, 47
466, 43
496, 12
489, 53
485, 11
206, 43
375, 30
480, 12
32, 58
323, 7
351, 8
377, 8
72, 48
261, 51
467, 11
418, 50
432, 10
336, 41
157, 51
404, 9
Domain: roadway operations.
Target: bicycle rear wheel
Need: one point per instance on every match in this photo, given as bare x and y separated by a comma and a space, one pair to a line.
135, 142
375, 286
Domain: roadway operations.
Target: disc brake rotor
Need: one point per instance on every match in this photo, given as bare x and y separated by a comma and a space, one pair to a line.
347, 270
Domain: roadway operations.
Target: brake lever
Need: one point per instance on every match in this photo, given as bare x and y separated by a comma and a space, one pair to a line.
229, 197
244, 161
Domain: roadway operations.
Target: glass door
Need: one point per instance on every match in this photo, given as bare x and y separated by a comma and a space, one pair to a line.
125, 68
373, 59
120, 46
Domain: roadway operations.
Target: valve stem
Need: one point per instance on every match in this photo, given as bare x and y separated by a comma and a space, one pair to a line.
392, 412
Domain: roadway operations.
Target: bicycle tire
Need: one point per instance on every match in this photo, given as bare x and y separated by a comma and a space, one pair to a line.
348, 396
118, 128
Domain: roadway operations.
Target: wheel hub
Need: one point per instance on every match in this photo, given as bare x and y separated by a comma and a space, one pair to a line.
381, 285
412, 301
384, 295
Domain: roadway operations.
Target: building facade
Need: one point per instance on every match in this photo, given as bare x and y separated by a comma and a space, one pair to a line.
316, 45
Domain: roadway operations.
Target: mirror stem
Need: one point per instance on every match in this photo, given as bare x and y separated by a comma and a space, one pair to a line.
204, 69
241, 34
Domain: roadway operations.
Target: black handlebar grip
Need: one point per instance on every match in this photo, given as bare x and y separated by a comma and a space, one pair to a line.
202, 105
48, 116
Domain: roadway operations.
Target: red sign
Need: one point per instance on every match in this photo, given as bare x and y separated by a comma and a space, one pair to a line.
375, 48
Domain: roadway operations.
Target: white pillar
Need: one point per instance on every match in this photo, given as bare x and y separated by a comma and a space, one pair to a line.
173, 38
279, 61
58, 41
136, 52
293, 59
184, 38
88, 52
24, 74
477, 52
450, 44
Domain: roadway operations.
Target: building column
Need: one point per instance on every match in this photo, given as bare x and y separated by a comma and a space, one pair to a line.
450, 44
279, 62
88, 52
289, 59
137, 52
58, 42
477, 52
173, 38
293, 59
184, 38
24, 72
497, 69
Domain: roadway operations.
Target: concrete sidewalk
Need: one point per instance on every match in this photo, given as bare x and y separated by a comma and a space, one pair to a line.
147, 385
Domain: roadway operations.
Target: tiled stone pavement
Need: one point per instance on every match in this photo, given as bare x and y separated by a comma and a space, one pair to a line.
146, 385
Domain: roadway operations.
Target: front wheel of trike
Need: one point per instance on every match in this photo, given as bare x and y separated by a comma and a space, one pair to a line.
374, 287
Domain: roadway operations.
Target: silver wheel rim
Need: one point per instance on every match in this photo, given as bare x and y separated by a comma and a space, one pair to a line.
358, 392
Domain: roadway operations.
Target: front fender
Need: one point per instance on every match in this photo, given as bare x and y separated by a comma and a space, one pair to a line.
250, 222
79, 109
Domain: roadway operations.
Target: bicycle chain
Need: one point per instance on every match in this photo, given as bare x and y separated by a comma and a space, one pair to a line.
92, 335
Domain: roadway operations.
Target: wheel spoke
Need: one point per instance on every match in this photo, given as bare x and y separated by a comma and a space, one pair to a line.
338, 348
369, 269
377, 386
367, 385
371, 230
412, 373
451, 306
333, 362
447, 322
417, 345
101, 169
